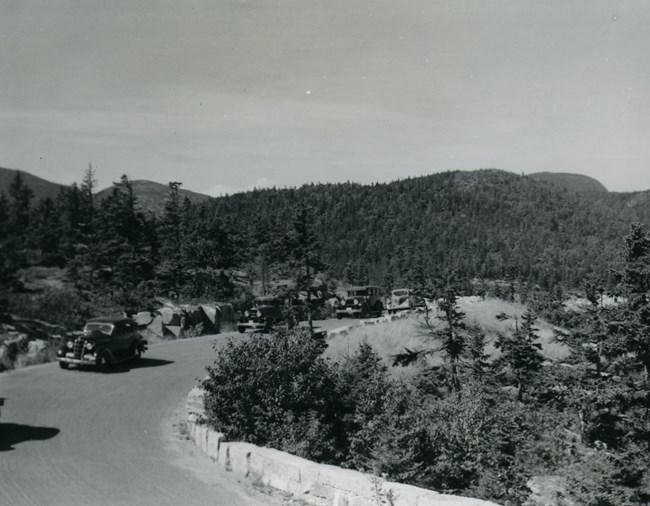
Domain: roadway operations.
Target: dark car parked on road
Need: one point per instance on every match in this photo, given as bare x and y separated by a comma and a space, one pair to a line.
361, 302
105, 341
267, 311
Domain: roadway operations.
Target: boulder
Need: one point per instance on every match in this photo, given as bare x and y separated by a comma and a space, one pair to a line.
170, 316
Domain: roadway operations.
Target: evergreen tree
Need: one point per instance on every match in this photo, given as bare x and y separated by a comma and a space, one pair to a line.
172, 268
46, 233
17, 226
632, 325
7, 262
452, 337
20, 196
71, 211
88, 246
129, 239
521, 353
304, 247
365, 382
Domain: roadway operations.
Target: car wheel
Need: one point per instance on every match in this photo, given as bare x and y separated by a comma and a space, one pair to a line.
63, 365
135, 352
103, 362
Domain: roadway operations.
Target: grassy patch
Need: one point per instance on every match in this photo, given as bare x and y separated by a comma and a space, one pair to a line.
391, 338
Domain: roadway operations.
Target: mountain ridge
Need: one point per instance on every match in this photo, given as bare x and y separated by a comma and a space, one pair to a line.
42, 188
571, 182
151, 195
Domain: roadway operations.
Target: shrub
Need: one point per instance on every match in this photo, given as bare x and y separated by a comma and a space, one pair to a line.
363, 384
476, 437
276, 391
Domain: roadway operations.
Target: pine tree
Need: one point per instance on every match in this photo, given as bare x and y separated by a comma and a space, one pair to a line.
633, 325
172, 269
521, 353
46, 233
453, 339
19, 215
304, 247
129, 239
20, 204
88, 246
364, 383
7, 263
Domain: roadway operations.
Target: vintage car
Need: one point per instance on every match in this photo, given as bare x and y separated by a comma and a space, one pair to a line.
402, 299
361, 302
267, 311
105, 341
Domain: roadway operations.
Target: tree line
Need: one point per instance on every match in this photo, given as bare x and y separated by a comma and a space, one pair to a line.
482, 225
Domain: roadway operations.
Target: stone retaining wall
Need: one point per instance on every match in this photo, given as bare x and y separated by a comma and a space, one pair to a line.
316, 484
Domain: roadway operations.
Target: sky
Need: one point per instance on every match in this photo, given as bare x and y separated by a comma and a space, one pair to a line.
227, 95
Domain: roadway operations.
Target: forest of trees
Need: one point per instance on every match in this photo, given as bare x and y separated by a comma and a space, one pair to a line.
482, 225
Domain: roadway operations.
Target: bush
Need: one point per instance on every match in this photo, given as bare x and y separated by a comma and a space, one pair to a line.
603, 478
276, 391
279, 391
363, 382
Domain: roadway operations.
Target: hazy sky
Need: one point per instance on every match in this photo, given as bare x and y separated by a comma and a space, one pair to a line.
227, 94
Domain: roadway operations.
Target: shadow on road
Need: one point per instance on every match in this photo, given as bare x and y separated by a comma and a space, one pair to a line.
143, 363
12, 434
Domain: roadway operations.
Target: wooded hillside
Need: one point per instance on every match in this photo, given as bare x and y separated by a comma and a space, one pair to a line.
487, 224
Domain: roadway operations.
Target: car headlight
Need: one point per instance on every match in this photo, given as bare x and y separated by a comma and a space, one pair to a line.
69, 344
246, 314
89, 346
355, 302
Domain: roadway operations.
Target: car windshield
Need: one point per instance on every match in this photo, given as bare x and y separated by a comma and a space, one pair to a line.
104, 328
358, 293
268, 302
400, 293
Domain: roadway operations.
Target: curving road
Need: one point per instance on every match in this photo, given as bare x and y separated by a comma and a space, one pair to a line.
81, 437
86, 438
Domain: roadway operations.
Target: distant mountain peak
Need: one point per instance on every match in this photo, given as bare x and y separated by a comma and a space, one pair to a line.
573, 182
152, 195
41, 188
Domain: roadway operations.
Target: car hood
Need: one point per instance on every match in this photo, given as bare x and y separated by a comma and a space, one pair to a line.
359, 298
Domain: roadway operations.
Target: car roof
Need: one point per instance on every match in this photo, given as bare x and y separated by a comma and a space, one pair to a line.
362, 287
111, 319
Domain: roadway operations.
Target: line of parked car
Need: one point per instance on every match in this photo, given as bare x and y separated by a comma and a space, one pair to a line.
359, 302
111, 340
